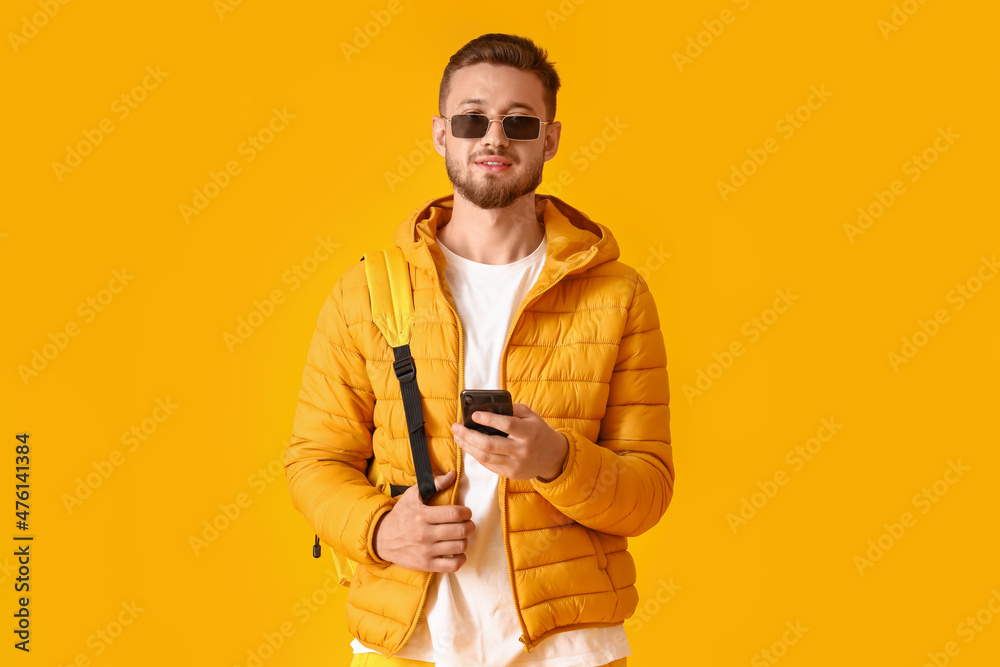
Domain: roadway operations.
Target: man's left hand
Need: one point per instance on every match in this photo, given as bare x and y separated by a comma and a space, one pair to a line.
532, 448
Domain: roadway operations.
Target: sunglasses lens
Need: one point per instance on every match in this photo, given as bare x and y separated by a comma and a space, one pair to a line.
469, 126
521, 127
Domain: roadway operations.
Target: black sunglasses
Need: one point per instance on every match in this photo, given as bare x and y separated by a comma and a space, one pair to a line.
515, 127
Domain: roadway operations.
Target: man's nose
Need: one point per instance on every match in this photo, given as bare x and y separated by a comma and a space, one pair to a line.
494, 134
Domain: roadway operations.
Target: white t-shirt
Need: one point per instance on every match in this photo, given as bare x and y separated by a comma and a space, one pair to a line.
469, 617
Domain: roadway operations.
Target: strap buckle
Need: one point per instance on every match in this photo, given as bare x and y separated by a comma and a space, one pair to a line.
405, 369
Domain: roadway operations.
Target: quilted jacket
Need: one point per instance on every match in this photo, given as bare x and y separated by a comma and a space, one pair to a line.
584, 351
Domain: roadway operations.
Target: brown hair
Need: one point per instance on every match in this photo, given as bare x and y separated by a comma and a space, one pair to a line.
500, 49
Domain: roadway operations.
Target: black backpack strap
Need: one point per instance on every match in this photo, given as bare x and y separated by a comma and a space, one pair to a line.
406, 372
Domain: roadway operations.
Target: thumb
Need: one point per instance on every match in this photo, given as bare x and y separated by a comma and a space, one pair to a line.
444, 481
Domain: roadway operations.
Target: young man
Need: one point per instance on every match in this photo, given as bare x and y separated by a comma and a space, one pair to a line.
525, 551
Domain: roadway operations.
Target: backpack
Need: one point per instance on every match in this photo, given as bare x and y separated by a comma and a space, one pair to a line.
388, 276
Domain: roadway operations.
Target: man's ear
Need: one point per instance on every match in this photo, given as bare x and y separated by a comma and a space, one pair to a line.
439, 130
552, 134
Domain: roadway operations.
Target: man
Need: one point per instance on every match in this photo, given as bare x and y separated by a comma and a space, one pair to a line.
527, 552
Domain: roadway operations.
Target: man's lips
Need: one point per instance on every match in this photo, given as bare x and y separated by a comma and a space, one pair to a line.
493, 158
493, 168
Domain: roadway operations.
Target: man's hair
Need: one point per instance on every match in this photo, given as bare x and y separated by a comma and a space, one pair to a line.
500, 49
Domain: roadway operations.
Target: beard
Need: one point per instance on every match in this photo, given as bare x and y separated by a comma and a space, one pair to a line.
492, 190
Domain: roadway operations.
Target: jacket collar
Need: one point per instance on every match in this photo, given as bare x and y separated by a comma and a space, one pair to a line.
573, 240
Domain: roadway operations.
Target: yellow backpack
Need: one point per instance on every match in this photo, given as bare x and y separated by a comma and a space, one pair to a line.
392, 311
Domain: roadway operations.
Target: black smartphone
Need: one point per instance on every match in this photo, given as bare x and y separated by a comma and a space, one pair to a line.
485, 400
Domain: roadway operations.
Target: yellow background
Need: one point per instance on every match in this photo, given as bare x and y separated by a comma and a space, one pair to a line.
655, 185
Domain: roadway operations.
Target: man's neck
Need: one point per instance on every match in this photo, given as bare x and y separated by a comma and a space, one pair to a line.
493, 236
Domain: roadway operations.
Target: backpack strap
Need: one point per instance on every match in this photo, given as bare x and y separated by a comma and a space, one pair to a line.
388, 276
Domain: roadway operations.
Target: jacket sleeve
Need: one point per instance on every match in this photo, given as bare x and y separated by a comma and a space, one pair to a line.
326, 457
623, 483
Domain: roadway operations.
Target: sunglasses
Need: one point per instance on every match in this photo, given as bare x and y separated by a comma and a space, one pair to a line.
515, 128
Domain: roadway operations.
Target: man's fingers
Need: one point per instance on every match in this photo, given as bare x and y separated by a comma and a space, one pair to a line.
482, 442
449, 548
521, 410
480, 446
444, 514
447, 564
502, 422
443, 481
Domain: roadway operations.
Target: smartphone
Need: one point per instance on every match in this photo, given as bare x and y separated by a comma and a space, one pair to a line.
485, 400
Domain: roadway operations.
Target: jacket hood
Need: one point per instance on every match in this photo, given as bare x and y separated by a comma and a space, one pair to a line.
573, 240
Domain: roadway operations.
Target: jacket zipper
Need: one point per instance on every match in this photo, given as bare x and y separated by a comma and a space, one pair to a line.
529, 645
458, 408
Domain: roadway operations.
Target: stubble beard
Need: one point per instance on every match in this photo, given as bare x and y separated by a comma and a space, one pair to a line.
490, 190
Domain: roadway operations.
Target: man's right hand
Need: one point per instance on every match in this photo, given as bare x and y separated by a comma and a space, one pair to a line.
426, 538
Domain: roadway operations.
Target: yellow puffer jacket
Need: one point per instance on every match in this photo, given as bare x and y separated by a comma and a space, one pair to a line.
584, 351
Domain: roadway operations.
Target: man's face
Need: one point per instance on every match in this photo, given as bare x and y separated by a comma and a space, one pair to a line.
495, 90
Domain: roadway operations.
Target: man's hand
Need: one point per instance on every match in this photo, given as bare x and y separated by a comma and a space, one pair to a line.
532, 448
426, 538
